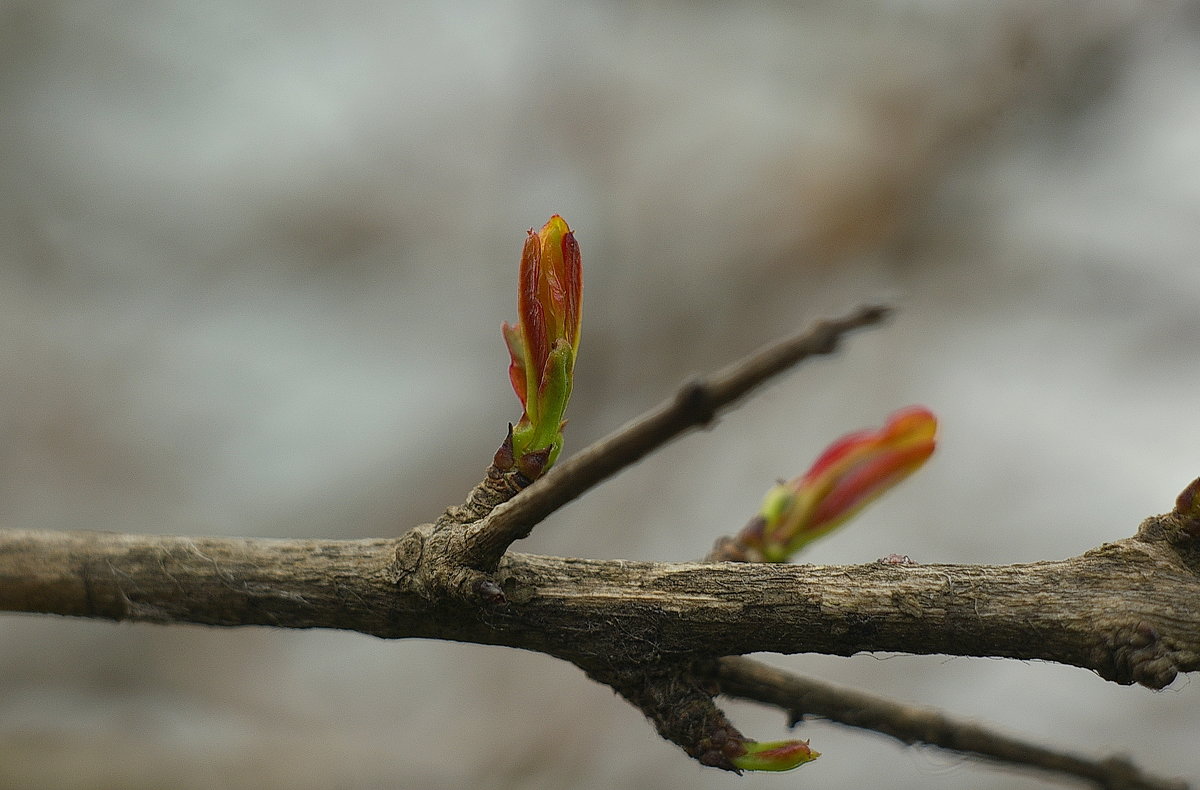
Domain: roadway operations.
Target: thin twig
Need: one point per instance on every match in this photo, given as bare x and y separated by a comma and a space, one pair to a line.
697, 403
753, 680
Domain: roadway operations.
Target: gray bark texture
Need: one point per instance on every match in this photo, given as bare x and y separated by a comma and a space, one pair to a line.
1124, 610
666, 636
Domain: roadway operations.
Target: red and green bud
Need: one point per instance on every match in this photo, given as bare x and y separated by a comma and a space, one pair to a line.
851, 473
543, 345
774, 756
1188, 502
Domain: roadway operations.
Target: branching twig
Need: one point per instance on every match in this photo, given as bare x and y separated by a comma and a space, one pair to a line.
651, 629
1105, 620
696, 404
800, 697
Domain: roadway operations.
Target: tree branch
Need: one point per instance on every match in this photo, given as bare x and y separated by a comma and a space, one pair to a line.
653, 630
801, 697
696, 404
1094, 611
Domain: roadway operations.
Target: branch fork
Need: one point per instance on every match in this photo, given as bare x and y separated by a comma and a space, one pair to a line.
667, 637
458, 556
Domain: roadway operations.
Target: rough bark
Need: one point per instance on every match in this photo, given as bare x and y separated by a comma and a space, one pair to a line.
1124, 610
666, 636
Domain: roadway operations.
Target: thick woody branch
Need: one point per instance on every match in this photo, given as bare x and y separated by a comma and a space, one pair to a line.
1095, 611
696, 404
802, 697
653, 630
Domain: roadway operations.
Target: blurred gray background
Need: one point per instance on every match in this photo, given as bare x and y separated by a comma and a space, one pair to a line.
254, 257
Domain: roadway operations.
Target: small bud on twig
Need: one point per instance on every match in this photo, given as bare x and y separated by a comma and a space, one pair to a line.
852, 472
543, 345
774, 755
